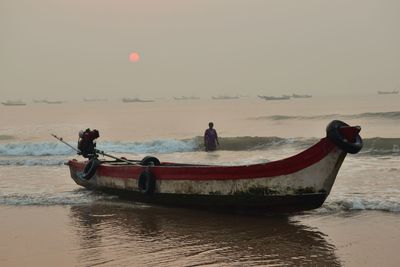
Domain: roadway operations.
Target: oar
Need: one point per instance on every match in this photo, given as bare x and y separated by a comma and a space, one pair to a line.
60, 139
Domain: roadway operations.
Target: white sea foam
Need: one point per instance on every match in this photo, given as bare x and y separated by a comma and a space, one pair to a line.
51, 198
372, 146
35, 149
32, 161
52, 148
388, 204
162, 146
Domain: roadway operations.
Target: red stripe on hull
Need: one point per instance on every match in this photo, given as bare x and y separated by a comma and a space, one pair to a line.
198, 172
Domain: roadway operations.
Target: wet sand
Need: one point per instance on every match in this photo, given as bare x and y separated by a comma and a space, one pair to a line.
125, 234
361, 238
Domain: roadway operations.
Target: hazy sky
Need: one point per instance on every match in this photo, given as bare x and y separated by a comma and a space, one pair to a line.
80, 48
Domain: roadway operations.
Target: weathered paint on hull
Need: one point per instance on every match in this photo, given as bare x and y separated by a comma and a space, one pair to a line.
303, 189
316, 178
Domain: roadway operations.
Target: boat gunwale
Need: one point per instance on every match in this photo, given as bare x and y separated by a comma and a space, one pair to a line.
176, 171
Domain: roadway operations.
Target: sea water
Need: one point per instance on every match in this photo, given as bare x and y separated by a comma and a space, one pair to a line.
97, 229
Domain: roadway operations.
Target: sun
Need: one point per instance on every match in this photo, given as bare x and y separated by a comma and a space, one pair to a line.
134, 57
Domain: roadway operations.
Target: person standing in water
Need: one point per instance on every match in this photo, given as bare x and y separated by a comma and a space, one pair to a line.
211, 138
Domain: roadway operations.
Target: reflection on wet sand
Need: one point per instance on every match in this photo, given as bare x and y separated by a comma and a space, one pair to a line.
138, 235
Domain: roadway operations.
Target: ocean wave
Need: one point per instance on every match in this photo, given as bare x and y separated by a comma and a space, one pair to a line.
83, 196
392, 115
12, 153
379, 146
155, 146
243, 143
35, 149
162, 146
80, 196
32, 161
360, 204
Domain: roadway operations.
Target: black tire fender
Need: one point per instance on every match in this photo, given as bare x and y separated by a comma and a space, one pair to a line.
333, 133
146, 182
90, 168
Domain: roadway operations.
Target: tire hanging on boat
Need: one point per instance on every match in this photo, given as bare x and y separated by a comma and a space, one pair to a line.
150, 160
90, 168
338, 139
146, 182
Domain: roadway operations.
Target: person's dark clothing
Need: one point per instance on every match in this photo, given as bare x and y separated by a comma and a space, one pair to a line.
210, 139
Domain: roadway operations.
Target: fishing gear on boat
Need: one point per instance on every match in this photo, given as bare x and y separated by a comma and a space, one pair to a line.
87, 142
95, 151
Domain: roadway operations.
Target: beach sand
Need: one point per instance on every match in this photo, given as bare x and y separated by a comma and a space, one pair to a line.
136, 235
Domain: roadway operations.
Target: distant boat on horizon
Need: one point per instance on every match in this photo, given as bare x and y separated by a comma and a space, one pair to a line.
282, 97
53, 101
224, 97
301, 96
14, 103
135, 100
45, 101
394, 92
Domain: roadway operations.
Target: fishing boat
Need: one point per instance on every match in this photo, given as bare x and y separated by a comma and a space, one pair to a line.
282, 97
298, 183
53, 102
135, 100
394, 92
13, 103
45, 101
224, 97
301, 96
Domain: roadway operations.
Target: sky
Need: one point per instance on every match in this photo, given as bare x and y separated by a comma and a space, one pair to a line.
81, 48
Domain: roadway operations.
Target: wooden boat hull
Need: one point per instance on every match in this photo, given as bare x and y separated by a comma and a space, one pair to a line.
298, 183
228, 203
